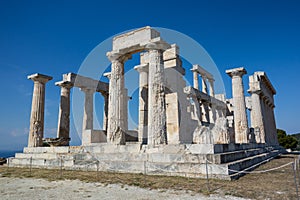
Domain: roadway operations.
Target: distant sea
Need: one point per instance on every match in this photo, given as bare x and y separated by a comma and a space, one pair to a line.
9, 153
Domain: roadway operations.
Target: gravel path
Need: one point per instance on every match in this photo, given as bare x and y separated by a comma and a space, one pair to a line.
35, 189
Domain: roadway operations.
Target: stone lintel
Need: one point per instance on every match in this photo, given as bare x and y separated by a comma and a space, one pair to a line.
85, 82
200, 70
240, 71
39, 77
142, 67
194, 93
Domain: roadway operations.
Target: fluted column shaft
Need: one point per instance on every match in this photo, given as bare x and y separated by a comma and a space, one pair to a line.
156, 94
105, 113
257, 117
143, 102
196, 80
116, 128
240, 115
36, 131
63, 129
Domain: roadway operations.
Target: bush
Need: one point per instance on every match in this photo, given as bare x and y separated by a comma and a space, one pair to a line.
286, 141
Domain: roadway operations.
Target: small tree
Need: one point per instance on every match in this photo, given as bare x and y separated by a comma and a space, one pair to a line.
286, 141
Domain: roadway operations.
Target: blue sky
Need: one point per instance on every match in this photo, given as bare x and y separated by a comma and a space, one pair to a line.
54, 37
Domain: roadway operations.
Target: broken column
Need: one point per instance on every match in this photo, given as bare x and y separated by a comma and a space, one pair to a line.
240, 115
36, 131
143, 102
63, 129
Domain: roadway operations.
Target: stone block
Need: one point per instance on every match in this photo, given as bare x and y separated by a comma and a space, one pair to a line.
134, 38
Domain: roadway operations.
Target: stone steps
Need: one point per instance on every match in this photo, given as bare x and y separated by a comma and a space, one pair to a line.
134, 159
248, 164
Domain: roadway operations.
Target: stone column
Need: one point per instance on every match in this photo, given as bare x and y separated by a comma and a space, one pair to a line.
196, 80
124, 110
256, 116
211, 87
204, 105
239, 104
87, 123
116, 129
36, 131
204, 84
156, 93
63, 129
105, 113
273, 125
143, 102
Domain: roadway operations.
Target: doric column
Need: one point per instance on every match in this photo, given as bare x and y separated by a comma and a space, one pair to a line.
36, 131
87, 123
116, 129
239, 104
143, 102
273, 125
211, 87
256, 116
63, 129
204, 84
105, 113
196, 80
204, 105
156, 95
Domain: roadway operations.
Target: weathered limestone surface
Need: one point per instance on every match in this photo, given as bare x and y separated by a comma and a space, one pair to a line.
116, 128
156, 94
240, 115
63, 129
36, 131
87, 123
262, 113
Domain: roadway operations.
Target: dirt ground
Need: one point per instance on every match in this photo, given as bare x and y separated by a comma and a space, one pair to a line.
34, 189
21, 182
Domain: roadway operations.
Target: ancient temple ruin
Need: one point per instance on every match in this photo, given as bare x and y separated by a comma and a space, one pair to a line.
182, 129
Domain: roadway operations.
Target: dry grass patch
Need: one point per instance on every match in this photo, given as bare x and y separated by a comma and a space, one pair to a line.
278, 184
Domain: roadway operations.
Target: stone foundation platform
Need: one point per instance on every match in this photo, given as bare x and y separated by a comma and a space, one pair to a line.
187, 160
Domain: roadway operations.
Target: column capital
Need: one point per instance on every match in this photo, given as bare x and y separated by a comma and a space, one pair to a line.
236, 72
64, 84
39, 78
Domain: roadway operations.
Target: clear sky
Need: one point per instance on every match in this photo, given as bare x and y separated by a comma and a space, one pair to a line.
54, 37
